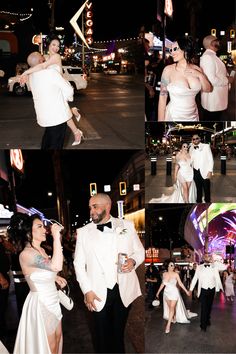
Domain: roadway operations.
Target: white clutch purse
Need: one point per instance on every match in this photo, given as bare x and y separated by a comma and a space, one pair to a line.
156, 303
65, 299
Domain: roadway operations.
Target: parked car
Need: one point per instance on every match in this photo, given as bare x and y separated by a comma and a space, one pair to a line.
111, 72
73, 74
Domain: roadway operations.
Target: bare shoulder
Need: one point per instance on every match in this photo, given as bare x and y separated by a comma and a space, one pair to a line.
195, 67
169, 68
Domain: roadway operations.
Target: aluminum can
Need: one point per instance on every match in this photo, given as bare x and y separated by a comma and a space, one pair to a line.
122, 259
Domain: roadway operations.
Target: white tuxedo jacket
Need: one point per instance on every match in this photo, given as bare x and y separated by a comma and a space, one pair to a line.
90, 265
50, 94
215, 267
216, 72
203, 157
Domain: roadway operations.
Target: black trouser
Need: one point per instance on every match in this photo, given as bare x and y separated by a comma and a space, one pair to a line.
110, 324
202, 185
3, 307
21, 291
53, 137
206, 298
213, 116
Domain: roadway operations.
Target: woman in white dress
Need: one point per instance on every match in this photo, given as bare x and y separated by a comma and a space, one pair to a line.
181, 81
173, 305
53, 60
184, 185
228, 280
39, 329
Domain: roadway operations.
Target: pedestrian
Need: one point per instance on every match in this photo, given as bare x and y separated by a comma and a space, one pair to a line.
109, 290
53, 61
50, 94
228, 282
202, 160
40, 329
4, 288
209, 282
214, 103
153, 281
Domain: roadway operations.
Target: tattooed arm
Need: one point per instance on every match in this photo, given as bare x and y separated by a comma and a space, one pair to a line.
163, 96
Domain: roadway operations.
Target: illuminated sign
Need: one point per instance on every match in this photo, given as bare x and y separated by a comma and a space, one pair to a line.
89, 23
16, 159
5, 213
74, 24
168, 8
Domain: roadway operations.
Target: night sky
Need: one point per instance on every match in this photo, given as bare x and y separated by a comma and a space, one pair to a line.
121, 19
79, 169
170, 227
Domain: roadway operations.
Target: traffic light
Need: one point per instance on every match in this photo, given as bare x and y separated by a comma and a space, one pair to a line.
213, 32
232, 33
93, 189
122, 186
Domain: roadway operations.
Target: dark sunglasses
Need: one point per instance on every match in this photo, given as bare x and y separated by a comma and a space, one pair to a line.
174, 49
195, 139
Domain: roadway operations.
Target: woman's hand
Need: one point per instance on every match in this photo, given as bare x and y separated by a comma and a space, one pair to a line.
61, 281
55, 230
23, 79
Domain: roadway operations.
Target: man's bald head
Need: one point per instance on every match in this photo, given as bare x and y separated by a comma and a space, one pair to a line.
35, 58
100, 207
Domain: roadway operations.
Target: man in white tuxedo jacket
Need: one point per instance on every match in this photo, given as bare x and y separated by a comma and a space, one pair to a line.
216, 101
107, 293
203, 163
50, 94
209, 282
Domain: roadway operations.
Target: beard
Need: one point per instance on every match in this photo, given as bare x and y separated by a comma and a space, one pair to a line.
99, 217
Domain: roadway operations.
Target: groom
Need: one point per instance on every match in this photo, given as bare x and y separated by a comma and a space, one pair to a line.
203, 162
107, 293
207, 275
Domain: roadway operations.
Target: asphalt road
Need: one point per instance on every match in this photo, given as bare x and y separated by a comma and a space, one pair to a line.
112, 110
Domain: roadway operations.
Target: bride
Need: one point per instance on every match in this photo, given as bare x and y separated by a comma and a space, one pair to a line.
182, 81
173, 306
40, 329
184, 185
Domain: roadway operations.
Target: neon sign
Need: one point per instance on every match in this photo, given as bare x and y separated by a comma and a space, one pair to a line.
89, 23
16, 159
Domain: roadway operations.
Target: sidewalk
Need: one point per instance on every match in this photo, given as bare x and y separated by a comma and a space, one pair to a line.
188, 338
223, 187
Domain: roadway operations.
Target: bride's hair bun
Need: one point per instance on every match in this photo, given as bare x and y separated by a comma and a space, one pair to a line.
189, 46
20, 229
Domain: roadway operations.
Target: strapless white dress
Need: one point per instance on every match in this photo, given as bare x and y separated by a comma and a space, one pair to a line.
185, 174
182, 105
171, 292
56, 67
3, 349
41, 314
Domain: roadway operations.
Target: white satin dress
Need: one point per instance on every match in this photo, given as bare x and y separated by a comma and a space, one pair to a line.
41, 314
171, 292
185, 174
182, 105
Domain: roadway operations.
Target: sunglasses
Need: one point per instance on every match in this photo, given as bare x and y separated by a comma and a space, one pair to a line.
195, 139
185, 147
174, 49
171, 265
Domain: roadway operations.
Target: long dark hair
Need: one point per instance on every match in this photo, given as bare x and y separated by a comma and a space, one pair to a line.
167, 262
189, 46
19, 230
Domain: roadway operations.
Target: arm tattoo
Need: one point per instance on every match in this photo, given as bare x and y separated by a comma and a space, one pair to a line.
41, 262
164, 83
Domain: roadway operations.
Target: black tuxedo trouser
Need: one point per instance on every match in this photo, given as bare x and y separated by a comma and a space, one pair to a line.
110, 324
216, 116
202, 185
206, 298
53, 137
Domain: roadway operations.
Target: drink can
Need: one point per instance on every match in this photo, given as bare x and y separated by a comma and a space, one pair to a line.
122, 259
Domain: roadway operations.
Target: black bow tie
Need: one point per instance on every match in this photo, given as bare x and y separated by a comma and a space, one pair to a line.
206, 265
196, 147
100, 227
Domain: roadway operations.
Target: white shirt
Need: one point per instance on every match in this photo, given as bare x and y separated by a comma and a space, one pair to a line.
50, 94
208, 278
216, 72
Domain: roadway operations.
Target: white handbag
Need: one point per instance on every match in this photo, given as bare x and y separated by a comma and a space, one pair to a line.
65, 299
156, 303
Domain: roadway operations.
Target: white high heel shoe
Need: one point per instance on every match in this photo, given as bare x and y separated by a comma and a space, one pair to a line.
77, 142
76, 113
